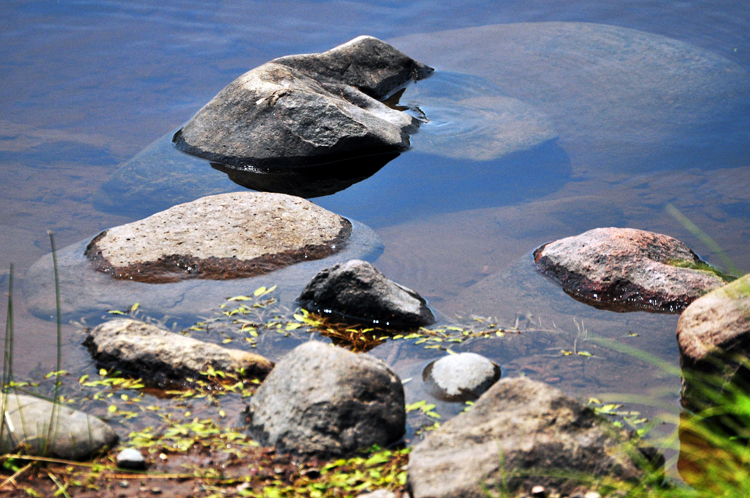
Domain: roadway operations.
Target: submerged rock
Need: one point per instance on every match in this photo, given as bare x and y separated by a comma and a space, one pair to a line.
469, 117
307, 109
714, 338
218, 237
620, 99
322, 400
627, 269
357, 291
38, 427
520, 434
157, 178
163, 357
460, 377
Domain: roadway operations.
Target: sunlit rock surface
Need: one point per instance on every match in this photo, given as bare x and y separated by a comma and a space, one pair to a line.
321, 400
714, 336
527, 426
460, 377
627, 269
219, 237
85, 291
308, 109
163, 357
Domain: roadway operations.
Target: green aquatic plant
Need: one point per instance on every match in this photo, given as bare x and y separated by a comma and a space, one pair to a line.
702, 266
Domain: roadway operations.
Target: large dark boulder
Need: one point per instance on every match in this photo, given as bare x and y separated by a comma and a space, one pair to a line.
357, 291
308, 109
520, 434
321, 400
714, 338
627, 269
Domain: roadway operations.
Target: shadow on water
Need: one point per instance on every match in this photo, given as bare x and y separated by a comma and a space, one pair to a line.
423, 184
308, 182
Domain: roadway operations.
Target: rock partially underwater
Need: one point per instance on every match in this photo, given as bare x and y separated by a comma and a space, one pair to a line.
29, 424
219, 237
286, 243
356, 291
302, 110
322, 400
165, 358
626, 269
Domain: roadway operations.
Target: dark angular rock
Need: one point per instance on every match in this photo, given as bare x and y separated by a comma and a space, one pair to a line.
307, 109
460, 377
357, 291
627, 269
322, 400
527, 434
164, 357
713, 334
28, 425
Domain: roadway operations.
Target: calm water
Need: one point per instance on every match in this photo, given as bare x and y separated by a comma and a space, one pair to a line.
642, 121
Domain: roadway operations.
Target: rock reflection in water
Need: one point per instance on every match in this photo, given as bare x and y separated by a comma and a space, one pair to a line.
307, 182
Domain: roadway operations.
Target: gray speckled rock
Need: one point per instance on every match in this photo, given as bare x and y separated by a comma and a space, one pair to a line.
626, 269
221, 236
307, 109
323, 400
538, 431
73, 435
710, 332
460, 377
130, 458
357, 291
164, 357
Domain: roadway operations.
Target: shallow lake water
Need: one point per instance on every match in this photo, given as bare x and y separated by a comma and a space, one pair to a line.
649, 104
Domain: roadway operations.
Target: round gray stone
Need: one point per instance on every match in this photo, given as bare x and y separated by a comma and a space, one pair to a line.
460, 377
130, 458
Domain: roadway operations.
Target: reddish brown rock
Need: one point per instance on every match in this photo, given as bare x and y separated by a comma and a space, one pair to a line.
627, 269
714, 338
